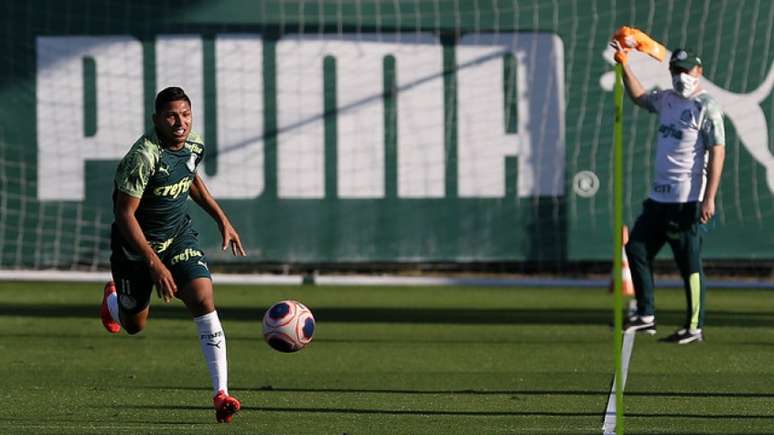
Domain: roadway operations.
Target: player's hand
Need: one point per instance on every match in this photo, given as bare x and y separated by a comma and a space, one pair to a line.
621, 54
162, 278
707, 211
231, 237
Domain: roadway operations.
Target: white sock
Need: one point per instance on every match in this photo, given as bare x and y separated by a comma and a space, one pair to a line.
648, 318
112, 304
213, 344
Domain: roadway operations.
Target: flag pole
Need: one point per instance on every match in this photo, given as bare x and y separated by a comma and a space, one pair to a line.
618, 244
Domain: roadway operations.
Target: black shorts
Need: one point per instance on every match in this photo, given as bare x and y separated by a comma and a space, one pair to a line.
183, 257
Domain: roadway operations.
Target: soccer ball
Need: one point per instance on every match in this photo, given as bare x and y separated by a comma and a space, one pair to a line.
288, 326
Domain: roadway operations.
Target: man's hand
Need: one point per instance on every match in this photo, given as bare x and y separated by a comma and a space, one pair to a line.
230, 237
202, 196
621, 54
162, 277
707, 211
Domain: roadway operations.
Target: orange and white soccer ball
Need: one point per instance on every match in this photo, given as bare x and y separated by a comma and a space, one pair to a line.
288, 326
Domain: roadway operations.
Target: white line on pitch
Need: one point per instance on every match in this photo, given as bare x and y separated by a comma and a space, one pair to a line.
608, 427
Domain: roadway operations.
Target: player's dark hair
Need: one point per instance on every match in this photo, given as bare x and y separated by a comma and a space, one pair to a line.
172, 93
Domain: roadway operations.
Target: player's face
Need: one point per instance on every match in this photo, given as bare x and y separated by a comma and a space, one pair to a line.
173, 123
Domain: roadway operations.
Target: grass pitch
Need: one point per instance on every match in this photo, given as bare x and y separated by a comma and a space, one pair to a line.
385, 360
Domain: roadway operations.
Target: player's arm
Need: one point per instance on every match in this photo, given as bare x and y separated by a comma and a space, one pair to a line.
633, 87
717, 155
202, 196
126, 206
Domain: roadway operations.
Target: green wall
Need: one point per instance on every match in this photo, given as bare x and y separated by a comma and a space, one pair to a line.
733, 38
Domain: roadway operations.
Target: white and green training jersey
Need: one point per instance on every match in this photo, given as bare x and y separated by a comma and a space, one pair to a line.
688, 128
161, 178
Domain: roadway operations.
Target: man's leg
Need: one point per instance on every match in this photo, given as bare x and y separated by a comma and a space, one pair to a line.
133, 322
126, 300
197, 296
645, 240
188, 265
113, 316
687, 257
686, 247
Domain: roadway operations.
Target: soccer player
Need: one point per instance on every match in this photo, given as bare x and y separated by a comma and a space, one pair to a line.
154, 244
690, 149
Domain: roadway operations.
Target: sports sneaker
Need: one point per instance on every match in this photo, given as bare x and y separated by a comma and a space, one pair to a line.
684, 336
225, 407
104, 313
637, 324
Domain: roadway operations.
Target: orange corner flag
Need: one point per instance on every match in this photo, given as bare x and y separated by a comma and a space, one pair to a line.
631, 37
627, 286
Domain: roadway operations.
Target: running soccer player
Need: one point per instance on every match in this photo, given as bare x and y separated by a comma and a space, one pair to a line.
154, 244
690, 150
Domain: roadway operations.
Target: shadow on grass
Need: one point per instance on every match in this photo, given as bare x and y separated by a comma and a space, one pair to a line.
99, 333
504, 413
296, 410
473, 392
702, 416
514, 413
536, 316
36, 421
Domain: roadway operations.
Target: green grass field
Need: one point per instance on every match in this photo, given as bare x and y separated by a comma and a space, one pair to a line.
410, 360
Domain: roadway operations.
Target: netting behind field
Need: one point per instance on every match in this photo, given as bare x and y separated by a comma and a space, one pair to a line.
349, 131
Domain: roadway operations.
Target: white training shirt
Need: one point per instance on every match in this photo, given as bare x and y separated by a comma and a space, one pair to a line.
688, 128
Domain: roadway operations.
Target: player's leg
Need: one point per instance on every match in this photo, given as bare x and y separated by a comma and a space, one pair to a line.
114, 316
126, 299
686, 247
198, 297
188, 265
133, 308
645, 240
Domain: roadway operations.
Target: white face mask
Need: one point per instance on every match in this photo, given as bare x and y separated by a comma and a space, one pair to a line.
684, 84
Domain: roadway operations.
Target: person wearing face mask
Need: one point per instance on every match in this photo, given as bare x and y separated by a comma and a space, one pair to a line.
690, 149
